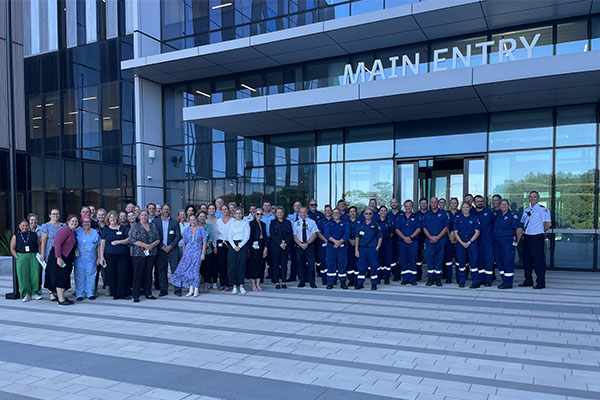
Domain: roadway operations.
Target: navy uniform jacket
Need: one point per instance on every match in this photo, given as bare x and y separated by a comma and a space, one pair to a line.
466, 226
368, 234
506, 225
435, 222
337, 230
486, 221
315, 216
280, 232
393, 217
408, 225
386, 227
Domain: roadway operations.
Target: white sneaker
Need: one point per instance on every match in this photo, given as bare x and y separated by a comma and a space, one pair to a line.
215, 286
242, 290
235, 290
36, 296
26, 298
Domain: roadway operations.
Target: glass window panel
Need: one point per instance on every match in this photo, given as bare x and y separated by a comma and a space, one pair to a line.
294, 183
575, 188
405, 176
513, 175
576, 125
364, 6
369, 142
324, 73
573, 250
93, 197
410, 52
251, 86
111, 120
292, 79
91, 175
323, 192
596, 33
90, 135
330, 145
521, 129
274, 84
37, 173
337, 181
73, 177
395, 3
112, 198
290, 149
35, 129
476, 178
368, 179
452, 59
53, 174
175, 159
224, 90
254, 184
542, 48
73, 201
572, 37
71, 122
52, 124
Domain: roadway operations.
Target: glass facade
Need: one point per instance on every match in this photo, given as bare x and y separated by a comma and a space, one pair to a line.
191, 23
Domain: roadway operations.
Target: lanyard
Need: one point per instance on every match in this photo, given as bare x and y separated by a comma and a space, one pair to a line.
25, 241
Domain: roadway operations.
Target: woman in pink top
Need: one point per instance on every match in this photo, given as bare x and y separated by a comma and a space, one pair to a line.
60, 260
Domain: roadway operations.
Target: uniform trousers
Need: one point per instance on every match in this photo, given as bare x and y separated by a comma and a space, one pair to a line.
385, 258
279, 258
320, 257
461, 257
485, 258
322, 250
434, 257
408, 260
449, 256
534, 259
117, 266
420, 255
294, 263
305, 262
395, 265
505, 258
352, 266
142, 275
236, 265
85, 279
337, 262
368, 260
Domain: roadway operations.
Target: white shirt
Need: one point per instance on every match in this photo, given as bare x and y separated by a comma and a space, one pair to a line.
311, 227
533, 219
220, 229
238, 230
248, 218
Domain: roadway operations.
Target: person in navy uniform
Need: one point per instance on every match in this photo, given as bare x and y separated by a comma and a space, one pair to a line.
315, 215
341, 205
450, 248
385, 252
337, 233
435, 226
485, 243
373, 206
496, 199
367, 244
408, 228
392, 216
322, 243
507, 234
466, 231
305, 234
536, 221
421, 247
442, 204
281, 240
293, 217
352, 268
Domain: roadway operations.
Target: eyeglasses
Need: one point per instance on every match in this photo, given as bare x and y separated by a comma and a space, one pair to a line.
259, 213
313, 205
368, 213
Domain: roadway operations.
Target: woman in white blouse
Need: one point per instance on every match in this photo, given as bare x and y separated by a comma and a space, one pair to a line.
220, 233
238, 234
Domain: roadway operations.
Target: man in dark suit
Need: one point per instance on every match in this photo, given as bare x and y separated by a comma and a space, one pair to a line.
168, 250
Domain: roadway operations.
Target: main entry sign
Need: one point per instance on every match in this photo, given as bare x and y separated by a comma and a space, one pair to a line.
506, 48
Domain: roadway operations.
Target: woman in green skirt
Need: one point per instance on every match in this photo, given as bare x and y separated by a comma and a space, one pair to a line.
24, 245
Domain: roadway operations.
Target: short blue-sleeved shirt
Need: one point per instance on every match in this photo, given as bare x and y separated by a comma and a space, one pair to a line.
466, 226
435, 222
337, 230
486, 221
368, 234
386, 227
408, 225
507, 224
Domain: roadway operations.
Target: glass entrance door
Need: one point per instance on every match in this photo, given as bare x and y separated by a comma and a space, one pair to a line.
407, 180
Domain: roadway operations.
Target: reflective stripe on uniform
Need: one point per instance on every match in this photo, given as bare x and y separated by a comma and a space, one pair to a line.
329, 274
509, 274
361, 277
462, 269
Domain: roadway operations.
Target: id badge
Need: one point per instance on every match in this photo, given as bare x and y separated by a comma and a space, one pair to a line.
83, 249
171, 232
220, 244
342, 245
76, 253
26, 249
324, 245
255, 246
119, 233
146, 253
361, 233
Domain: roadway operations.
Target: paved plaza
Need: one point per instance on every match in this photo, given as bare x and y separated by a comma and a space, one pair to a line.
399, 342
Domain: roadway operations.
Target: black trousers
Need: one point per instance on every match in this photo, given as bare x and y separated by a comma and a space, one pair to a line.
163, 261
222, 250
294, 263
142, 275
117, 268
280, 263
256, 263
236, 265
210, 268
305, 261
534, 258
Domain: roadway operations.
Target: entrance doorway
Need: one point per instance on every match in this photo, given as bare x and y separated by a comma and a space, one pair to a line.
445, 177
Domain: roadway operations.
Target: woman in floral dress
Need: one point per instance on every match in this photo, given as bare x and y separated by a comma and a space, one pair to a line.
187, 273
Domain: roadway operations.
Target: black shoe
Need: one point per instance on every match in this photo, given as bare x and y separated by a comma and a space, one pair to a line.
539, 287
151, 297
448, 280
116, 298
177, 293
67, 302
278, 286
475, 286
386, 281
162, 293
487, 284
429, 281
329, 287
503, 286
359, 286
302, 284
351, 284
136, 300
126, 298
373, 286
343, 285
413, 283
396, 278
92, 298
313, 285
526, 284
80, 299
461, 284
404, 283
438, 282
324, 283
283, 286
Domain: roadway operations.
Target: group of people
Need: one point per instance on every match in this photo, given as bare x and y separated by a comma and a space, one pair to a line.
220, 247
